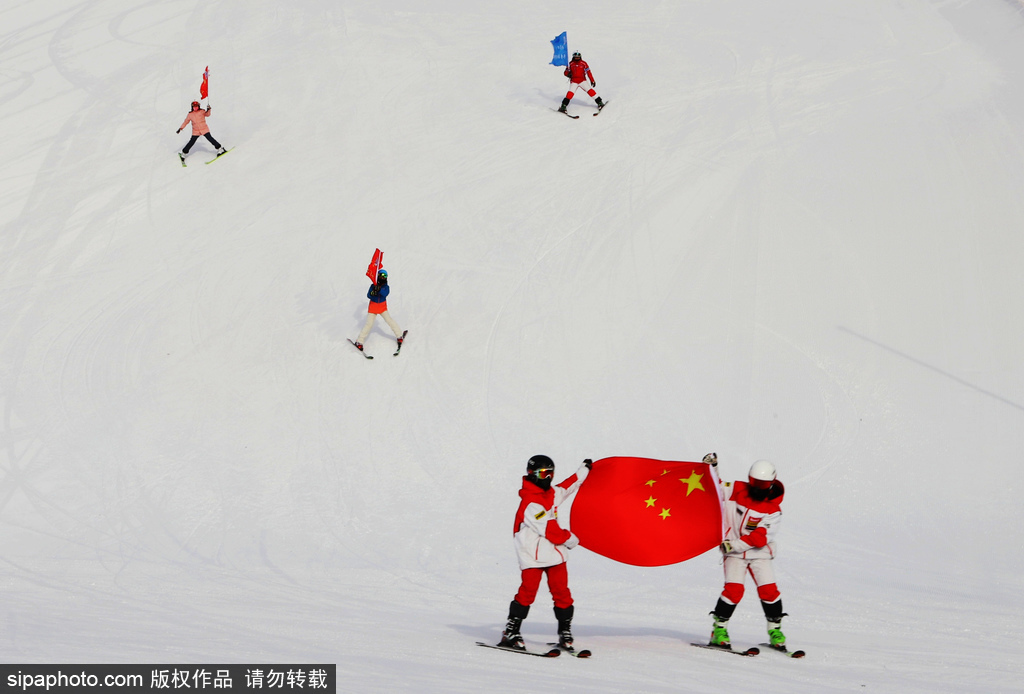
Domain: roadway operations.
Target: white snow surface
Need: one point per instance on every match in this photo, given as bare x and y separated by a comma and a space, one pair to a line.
794, 234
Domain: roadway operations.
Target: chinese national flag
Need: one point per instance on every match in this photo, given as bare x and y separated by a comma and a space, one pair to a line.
375, 265
648, 512
204, 88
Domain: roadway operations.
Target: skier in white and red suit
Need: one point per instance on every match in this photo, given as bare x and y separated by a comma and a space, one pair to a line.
541, 545
752, 513
578, 71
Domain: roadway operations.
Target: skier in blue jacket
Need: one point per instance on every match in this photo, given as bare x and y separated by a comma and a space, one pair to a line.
378, 296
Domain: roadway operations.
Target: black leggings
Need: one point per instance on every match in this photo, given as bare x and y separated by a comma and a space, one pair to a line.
193, 139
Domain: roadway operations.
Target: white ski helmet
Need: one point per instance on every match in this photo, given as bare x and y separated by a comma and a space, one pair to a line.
762, 474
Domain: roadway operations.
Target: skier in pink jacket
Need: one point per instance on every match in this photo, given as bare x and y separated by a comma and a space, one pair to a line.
197, 117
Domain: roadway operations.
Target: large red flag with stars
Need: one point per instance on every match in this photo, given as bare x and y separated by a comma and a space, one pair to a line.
204, 88
648, 512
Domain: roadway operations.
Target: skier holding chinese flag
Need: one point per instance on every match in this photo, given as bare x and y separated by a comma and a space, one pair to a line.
541, 546
752, 513
197, 118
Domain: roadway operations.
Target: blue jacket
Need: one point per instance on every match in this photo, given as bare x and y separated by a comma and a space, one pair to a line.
381, 296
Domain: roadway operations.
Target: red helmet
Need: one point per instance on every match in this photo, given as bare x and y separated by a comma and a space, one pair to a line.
195, 105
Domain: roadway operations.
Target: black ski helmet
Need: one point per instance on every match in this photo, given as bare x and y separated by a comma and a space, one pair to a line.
577, 56
539, 470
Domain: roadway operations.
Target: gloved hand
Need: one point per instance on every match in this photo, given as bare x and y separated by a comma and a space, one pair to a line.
572, 541
593, 84
178, 130
711, 459
726, 547
374, 290
589, 463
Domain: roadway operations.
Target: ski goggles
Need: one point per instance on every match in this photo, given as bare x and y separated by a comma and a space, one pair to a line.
544, 473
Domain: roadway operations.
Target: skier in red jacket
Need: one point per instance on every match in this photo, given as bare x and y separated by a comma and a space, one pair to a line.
541, 545
578, 71
753, 511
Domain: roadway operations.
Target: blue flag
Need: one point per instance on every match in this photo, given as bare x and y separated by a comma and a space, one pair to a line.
561, 45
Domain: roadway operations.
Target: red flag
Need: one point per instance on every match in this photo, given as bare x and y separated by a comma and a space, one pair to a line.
375, 265
648, 512
204, 88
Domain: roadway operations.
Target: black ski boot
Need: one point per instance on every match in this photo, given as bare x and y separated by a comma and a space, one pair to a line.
600, 104
565, 104
564, 617
511, 638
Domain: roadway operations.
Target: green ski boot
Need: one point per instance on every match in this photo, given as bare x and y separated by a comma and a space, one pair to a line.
775, 635
720, 635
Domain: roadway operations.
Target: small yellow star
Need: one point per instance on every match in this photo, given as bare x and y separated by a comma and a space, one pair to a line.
650, 502
692, 482
649, 483
664, 472
664, 514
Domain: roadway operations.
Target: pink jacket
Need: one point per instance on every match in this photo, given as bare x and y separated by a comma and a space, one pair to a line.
198, 121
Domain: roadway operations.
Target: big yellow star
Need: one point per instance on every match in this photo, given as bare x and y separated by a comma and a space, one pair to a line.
692, 482
664, 514
650, 502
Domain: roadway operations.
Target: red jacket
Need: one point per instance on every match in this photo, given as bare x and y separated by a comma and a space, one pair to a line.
578, 70
751, 525
538, 537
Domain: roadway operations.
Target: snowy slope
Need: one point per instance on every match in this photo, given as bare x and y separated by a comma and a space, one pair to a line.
793, 235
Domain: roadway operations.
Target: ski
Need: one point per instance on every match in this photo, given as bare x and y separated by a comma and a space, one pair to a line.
784, 651
553, 653
182, 157
572, 651
601, 108
219, 156
752, 651
565, 113
400, 342
361, 351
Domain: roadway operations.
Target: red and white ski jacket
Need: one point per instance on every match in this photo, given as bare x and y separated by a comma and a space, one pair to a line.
577, 71
539, 539
750, 526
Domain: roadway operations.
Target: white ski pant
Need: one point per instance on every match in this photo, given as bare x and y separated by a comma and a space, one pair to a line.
371, 318
762, 571
584, 87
